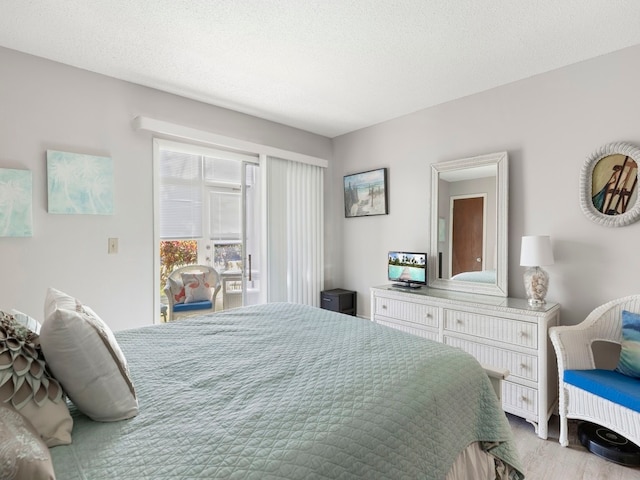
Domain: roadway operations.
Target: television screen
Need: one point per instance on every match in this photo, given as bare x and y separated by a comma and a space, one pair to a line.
408, 269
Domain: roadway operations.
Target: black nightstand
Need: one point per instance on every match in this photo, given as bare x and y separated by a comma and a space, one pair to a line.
339, 300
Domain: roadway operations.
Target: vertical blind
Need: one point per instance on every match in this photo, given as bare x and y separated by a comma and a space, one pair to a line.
294, 231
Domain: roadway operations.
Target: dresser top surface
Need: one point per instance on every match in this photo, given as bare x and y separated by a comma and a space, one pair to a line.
489, 300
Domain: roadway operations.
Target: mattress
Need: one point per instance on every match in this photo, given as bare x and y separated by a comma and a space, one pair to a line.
290, 391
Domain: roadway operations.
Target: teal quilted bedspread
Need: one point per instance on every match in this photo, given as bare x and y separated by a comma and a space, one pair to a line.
283, 391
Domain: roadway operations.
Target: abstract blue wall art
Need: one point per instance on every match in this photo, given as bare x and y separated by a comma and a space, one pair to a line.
15, 203
79, 184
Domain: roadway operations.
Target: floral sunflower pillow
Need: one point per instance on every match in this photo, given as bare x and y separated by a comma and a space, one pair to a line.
27, 384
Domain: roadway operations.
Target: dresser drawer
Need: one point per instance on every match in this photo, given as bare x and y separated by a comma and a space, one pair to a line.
506, 335
519, 400
407, 311
408, 327
519, 364
496, 328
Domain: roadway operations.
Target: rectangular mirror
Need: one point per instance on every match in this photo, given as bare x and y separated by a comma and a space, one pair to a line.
469, 225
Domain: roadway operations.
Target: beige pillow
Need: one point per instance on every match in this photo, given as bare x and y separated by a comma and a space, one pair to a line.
23, 454
86, 359
27, 385
53, 422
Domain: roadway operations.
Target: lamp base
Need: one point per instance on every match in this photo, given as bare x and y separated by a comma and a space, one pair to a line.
536, 284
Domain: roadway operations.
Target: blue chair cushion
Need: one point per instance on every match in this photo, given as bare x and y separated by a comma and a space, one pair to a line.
187, 307
609, 384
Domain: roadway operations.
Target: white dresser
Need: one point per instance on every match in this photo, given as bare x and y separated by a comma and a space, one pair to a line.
502, 333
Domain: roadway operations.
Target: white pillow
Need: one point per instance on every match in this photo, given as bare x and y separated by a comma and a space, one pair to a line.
177, 290
26, 321
196, 288
84, 356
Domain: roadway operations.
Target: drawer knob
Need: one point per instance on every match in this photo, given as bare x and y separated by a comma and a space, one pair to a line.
384, 307
524, 399
523, 366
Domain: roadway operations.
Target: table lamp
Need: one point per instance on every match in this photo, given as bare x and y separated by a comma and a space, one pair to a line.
536, 251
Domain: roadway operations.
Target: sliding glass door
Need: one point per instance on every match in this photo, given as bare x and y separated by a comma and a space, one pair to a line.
208, 213
252, 188
237, 247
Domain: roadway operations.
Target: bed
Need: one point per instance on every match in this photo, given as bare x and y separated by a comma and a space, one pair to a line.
291, 391
482, 276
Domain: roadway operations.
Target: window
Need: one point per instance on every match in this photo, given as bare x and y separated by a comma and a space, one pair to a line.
185, 179
181, 191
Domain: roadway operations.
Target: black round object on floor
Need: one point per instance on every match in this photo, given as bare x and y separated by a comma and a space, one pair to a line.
608, 444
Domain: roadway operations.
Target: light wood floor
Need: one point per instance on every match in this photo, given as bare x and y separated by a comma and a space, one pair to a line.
547, 460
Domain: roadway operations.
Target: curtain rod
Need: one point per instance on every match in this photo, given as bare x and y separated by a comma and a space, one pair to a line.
188, 133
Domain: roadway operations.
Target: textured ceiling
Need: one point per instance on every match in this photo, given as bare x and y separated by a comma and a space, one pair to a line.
326, 66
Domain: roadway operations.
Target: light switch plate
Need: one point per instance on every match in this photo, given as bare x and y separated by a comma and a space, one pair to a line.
113, 245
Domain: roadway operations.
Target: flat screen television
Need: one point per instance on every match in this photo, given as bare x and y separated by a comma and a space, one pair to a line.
407, 269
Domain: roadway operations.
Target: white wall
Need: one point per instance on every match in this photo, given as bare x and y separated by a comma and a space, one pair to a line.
549, 125
46, 105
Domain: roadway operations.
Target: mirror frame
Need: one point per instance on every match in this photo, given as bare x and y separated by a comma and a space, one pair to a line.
500, 288
586, 185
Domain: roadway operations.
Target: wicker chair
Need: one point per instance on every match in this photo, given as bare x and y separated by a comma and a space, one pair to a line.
174, 282
574, 351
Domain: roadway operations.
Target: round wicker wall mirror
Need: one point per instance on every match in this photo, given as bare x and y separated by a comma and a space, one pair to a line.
609, 185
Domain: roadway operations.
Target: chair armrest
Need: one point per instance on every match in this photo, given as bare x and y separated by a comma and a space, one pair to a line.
214, 294
167, 292
573, 343
573, 347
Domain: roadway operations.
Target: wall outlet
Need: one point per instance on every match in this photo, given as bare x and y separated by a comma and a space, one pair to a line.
113, 245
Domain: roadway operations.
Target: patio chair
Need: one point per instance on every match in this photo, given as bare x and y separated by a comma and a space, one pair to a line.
192, 290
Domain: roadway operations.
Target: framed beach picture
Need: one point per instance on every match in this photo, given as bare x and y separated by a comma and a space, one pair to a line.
365, 193
79, 184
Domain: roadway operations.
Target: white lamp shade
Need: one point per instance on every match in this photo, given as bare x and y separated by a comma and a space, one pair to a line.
536, 251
